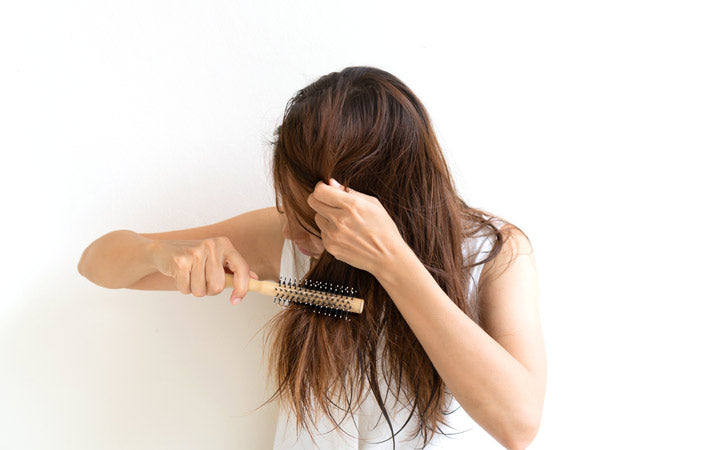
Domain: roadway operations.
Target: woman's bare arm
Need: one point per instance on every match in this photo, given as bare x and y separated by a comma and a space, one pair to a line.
117, 259
498, 376
123, 258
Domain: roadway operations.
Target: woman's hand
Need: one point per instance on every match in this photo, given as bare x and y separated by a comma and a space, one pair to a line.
198, 266
355, 227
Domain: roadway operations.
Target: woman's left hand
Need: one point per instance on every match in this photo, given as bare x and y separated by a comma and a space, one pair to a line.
355, 227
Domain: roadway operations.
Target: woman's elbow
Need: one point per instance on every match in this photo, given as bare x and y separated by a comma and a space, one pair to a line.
523, 434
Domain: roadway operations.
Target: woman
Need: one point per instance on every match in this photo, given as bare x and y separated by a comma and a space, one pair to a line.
449, 347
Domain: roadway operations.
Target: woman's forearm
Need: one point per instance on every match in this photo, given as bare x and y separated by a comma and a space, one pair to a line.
489, 383
117, 259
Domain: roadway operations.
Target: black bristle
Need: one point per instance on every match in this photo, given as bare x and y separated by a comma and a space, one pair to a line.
321, 297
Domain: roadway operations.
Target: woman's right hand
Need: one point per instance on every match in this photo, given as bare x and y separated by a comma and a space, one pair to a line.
198, 266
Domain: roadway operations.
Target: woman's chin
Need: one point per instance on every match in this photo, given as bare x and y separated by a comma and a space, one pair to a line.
306, 252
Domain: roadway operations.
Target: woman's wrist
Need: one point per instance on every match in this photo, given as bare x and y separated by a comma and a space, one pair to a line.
395, 264
151, 248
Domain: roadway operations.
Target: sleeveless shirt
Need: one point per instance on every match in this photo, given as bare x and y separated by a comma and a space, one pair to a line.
367, 429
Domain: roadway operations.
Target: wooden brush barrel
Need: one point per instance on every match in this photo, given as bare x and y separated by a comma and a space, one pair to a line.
272, 288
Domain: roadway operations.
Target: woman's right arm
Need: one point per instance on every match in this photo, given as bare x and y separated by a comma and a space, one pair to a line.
118, 259
188, 260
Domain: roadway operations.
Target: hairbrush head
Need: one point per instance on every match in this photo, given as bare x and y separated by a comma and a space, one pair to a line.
320, 296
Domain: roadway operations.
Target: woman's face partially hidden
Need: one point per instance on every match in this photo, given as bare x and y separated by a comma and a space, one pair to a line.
307, 243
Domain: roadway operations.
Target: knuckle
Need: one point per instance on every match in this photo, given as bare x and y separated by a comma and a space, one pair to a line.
341, 222
209, 244
199, 291
223, 241
215, 288
216, 283
180, 261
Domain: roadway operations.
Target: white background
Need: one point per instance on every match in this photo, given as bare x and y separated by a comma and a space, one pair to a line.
593, 126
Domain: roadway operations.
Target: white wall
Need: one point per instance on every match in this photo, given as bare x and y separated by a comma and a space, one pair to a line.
590, 126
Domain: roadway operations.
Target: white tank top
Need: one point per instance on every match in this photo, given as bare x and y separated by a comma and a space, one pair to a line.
368, 428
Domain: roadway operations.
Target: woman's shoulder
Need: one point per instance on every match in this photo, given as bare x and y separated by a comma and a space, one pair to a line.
482, 230
482, 241
513, 243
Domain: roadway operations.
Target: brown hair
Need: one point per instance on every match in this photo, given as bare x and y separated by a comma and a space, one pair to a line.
368, 130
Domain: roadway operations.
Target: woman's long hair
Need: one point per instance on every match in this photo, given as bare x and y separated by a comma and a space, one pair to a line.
368, 130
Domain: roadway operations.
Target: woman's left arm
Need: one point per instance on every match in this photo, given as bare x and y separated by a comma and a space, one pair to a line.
498, 379
498, 376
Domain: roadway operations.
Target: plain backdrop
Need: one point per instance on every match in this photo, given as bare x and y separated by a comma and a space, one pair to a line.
593, 126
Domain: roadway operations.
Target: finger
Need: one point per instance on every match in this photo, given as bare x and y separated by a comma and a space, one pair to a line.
322, 207
330, 195
324, 223
198, 283
352, 192
238, 266
214, 273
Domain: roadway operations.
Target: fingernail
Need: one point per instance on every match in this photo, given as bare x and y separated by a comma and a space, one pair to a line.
333, 182
235, 301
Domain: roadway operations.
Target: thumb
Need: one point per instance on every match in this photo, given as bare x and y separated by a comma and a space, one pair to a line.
254, 275
237, 265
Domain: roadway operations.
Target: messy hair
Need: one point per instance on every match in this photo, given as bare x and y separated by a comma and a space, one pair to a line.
368, 130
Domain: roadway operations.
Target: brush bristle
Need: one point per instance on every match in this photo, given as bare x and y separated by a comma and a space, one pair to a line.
320, 297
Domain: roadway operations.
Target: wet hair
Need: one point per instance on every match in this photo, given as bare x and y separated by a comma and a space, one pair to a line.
369, 131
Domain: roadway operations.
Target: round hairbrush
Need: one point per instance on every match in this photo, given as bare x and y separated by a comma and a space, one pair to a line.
319, 296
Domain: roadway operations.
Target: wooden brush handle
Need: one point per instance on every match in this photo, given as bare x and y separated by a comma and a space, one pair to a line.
267, 287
